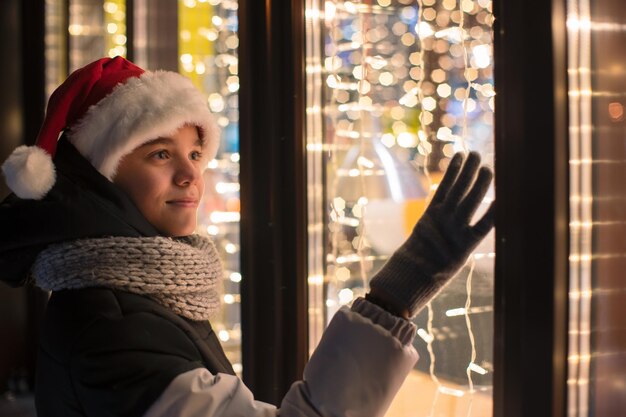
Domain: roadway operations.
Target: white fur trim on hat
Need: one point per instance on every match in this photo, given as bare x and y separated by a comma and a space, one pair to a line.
29, 172
144, 108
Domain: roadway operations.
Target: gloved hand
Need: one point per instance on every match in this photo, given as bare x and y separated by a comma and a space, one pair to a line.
440, 242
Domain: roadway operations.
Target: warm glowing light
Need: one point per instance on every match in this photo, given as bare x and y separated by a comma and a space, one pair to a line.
231, 248
427, 337
478, 369
425, 30
364, 162
451, 391
227, 187
616, 111
429, 103
444, 90
407, 140
233, 83
315, 280
224, 217
346, 296
110, 7
216, 102
386, 78
223, 335
329, 10
482, 56
200, 68
342, 274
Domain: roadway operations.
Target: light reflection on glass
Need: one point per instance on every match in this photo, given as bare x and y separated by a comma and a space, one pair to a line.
596, 366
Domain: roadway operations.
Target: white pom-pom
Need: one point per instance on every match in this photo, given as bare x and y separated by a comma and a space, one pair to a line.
29, 172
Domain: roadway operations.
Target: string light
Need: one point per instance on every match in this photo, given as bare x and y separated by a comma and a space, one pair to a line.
115, 27
56, 68
581, 206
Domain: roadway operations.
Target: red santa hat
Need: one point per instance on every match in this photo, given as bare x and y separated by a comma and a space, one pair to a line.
109, 108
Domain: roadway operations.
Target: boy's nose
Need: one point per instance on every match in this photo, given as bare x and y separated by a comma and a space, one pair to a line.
187, 173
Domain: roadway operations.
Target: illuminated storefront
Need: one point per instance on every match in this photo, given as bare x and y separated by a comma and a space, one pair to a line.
337, 120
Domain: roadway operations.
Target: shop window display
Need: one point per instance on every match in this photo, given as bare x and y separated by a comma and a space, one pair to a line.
394, 88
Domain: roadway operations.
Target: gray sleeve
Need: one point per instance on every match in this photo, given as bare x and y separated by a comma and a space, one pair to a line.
356, 370
402, 329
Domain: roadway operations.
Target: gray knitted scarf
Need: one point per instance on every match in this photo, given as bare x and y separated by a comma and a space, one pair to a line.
180, 274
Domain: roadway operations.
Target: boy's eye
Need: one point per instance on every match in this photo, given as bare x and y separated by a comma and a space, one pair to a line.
160, 155
196, 155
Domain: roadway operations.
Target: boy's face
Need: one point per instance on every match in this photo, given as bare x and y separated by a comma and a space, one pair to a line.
164, 179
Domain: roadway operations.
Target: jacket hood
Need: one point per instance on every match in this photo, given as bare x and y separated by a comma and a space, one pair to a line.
82, 204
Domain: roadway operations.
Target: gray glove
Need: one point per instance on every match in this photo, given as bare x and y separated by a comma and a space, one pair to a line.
440, 242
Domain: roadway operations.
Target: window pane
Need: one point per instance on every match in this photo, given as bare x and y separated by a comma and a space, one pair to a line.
394, 89
207, 49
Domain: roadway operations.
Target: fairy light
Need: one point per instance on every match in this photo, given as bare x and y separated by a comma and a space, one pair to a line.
218, 217
463, 311
223, 335
227, 187
450, 391
581, 218
315, 13
470, 334
229, 298
115, 27
55, 41
477, 368
433, 358
231, 248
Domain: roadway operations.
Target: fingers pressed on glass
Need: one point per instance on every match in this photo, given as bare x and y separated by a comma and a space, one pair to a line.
474, 197
448, 178
465, 179
482, 226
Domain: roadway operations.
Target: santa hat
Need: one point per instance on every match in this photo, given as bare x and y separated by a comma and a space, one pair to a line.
109, 108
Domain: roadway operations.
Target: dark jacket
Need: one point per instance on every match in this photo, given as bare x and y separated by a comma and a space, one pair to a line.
111, 353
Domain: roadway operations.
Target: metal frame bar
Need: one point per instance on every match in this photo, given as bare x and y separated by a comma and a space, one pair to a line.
530, 349
273, 195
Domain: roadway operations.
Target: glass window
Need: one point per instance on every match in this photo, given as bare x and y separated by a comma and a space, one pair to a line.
96, 29
207, 50
55, 41
394, 89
